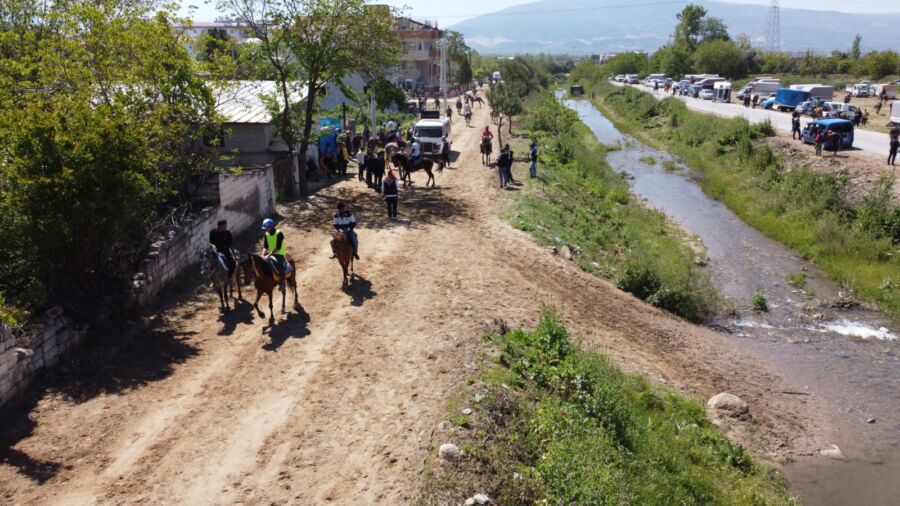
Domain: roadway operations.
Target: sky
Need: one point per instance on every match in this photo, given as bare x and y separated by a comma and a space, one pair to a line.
447, 13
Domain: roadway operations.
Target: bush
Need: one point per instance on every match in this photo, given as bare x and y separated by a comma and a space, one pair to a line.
759, 302
639, 280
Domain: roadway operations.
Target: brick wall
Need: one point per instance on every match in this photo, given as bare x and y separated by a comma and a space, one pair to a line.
245, 199
45, 342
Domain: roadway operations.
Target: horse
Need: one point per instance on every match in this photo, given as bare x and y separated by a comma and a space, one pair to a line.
486, 149
495, 116
468, 117
459, 106
392, 148
213, 268
478, 100
343, 250
265, 279
426, 164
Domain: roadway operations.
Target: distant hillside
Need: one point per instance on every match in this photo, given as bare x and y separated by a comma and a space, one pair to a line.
584, 26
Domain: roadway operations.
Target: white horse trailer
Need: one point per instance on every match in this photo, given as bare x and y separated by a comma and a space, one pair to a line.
722, 90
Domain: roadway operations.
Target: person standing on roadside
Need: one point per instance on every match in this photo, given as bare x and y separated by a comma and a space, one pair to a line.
361, 163
502, 161
795, 126
895, 143
820, 141
390, 192
533, 158
445, 151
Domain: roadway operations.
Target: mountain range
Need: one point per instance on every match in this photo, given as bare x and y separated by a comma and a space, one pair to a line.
596, 26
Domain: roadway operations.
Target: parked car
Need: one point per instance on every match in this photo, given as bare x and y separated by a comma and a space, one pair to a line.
620, 78
706, 94
808, 106
842, 110
842, 127
768, 103
632, 79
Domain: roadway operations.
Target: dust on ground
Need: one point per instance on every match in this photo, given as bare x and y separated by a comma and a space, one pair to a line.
337, 400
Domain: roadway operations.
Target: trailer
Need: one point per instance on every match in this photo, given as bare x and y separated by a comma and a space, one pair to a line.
816, 90
722, 91
890, 91
895, 112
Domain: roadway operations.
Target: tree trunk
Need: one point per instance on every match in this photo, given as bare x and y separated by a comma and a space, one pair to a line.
499, 131
311, 90
510, 126
286, 132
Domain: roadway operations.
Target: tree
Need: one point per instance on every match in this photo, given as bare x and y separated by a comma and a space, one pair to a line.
672, 60
332, 39
626, 63
721, 57
458, 57
855, 51
214, 44
713, 29
103, 121
505, 101
690, 25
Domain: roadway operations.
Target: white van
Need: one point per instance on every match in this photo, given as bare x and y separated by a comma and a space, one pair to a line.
842, 110
429, 133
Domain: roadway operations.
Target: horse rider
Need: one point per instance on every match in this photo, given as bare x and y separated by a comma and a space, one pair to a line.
344, 220
415, 155
274, 247
486, 135
221, 239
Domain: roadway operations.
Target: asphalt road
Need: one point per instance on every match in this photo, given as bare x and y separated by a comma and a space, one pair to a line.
871, 143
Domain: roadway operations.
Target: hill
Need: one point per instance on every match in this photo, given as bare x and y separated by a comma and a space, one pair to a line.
591, 26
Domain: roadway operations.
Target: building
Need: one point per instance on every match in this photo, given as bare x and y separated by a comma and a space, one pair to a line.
421, 63
236, 31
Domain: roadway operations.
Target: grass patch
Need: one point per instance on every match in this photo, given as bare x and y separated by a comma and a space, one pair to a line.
796, 279
559, 425
670, 165
805, 210
649, 160
580, 202
759, 302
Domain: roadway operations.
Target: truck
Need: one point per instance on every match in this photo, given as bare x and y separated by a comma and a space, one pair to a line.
429, 132
890, 90
816, 90
762, 87
787, 99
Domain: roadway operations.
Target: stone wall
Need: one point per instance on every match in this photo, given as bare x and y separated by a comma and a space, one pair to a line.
42, 345
245, 199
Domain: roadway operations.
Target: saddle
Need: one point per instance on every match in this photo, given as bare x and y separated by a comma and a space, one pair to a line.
288, 270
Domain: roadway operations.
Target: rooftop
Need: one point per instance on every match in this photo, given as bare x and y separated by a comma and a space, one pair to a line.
241, 101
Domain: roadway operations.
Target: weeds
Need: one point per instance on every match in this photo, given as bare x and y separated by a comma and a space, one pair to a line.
796, 279
649, 160
576, 430
759, 302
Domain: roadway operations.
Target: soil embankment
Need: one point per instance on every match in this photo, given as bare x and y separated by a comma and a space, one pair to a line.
338, 401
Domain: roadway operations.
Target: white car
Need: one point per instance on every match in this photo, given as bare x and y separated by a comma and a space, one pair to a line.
707, 94
620, 78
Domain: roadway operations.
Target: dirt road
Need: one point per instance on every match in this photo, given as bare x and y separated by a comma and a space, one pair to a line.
338, 401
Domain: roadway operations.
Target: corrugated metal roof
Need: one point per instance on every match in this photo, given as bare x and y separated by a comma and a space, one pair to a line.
241, 102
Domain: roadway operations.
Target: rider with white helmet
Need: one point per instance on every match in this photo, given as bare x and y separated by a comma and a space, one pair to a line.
274, 246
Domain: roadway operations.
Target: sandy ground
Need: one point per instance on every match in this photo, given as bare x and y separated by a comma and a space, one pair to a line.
338, 401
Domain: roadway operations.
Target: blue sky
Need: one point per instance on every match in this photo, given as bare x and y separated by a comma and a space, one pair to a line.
447, 13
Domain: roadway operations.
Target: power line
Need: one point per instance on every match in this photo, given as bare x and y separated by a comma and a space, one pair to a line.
773, 28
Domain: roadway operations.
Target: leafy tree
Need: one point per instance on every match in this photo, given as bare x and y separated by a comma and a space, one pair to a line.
387, 93
458, 58
522, 76
713, 29
507, 103
776, 63
103, 120
626, 63
855, 51
721, 57
672, 59
690, 25
214, 44
878, 64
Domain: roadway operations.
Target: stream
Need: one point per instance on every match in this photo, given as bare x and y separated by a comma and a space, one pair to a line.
845, 354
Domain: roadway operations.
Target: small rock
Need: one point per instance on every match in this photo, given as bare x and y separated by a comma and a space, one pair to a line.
470, 501
481, 499
870, 420
479, 397
833, 453
467, 411
517, 476
729, 405
553, 250
449, 451
566, 252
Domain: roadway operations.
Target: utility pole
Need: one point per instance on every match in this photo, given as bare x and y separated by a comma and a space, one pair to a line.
443, 43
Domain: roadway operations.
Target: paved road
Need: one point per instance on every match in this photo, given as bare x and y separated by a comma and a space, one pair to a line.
871, 143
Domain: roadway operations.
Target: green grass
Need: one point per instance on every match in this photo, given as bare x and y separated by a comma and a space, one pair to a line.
796, 279
560, 425
805, 210
759, 302
649, 160
580, 201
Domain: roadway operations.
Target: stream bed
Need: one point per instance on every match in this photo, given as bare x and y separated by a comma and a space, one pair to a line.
812, 334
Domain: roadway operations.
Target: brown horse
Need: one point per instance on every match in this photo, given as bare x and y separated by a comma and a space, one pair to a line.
426, 164
343, 250
265, 280
478, 100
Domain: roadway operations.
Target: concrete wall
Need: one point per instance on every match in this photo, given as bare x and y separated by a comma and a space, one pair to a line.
53, 335
244, 200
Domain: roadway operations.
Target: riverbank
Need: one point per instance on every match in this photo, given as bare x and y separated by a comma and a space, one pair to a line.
582, 208
806, 210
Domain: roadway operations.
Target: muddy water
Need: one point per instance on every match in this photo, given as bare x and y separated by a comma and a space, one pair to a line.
847, 356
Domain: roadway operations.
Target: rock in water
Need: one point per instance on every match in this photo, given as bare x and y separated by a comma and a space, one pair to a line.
448, 451
726, 404
833, 453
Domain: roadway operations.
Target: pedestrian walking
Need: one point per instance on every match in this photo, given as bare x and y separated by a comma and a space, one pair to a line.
820, 141
361, 163
371, 167
378, 171
445, 151
510, 159
795, 126
533, 157
835, 140
895, 143
390, 192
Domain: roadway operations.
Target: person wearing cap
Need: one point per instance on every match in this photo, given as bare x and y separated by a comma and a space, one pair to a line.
221, 239
274, 247
345, 221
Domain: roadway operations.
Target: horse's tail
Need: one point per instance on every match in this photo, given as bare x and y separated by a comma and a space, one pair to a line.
440, 164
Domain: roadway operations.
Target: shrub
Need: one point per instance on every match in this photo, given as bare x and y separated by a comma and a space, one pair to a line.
759, 302
639, 280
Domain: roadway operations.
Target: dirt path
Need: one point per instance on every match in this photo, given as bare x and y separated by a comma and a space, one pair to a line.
338, 402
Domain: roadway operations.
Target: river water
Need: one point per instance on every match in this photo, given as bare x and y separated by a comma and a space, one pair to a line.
848, 356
